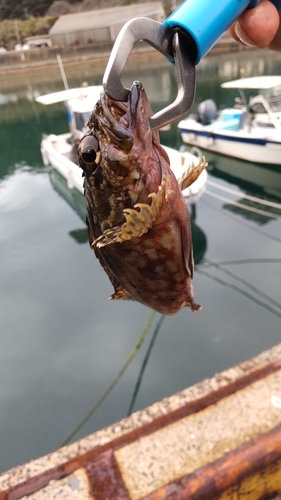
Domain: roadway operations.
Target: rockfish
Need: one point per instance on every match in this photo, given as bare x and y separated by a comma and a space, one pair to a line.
138, 222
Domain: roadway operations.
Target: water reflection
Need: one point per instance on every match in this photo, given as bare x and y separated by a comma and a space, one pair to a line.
71, 196
6, 98
241, 286
79, 235
62, 342
260, 199
230, 66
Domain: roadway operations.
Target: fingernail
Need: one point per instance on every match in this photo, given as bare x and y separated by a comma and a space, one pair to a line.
241, 35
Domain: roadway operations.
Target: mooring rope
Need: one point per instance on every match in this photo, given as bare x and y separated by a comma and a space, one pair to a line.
97, 404
242, 205
243, 195
144, 363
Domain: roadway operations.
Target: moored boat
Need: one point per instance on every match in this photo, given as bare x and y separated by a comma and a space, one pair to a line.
249, 130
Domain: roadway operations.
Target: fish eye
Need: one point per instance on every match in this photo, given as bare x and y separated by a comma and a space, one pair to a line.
88, 153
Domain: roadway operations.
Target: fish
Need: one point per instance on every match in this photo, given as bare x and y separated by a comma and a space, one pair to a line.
138, 222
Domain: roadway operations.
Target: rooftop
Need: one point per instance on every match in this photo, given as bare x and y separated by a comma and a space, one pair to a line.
105, 17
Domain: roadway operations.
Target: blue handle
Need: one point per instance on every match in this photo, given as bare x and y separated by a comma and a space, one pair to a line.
207, 20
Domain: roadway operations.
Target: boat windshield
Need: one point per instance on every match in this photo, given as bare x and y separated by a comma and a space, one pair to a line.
275, 104
273, 97
275, 91
81, 119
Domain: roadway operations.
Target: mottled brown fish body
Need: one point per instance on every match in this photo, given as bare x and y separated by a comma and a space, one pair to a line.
138, 222
152, 269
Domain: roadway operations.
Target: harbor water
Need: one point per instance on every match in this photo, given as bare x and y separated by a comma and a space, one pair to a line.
61, 341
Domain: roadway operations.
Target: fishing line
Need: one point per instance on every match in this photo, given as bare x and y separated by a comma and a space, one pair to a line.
244, 282
242, 205
243, 195
239, 290
244, 261
272, 237
97, 404
144, 364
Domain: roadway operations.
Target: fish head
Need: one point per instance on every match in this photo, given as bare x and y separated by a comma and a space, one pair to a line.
114, 155
118, 133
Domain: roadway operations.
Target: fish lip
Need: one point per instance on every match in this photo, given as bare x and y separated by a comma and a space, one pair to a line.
134, 95
113, 127
134, 98
119, 120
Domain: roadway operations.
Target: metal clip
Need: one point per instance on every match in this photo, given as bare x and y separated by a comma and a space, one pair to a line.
172, 44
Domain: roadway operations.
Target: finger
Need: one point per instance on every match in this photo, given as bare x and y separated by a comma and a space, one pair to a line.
276, 42
257, 27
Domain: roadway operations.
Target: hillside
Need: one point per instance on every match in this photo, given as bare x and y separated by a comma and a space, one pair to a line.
23, 18
22, 9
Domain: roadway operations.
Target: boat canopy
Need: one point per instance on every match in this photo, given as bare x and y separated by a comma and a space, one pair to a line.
255, 82
66, 95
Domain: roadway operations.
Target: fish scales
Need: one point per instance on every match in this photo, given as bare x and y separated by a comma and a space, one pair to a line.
138, 222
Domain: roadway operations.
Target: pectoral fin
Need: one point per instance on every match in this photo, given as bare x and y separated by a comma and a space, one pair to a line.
138, 220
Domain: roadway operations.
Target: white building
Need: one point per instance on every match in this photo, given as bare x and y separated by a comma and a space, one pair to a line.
101, 25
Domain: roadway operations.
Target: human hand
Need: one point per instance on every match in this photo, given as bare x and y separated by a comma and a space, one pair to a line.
259, 27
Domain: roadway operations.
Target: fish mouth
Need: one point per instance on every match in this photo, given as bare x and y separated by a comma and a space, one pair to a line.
119, 119
109, 114
134, 98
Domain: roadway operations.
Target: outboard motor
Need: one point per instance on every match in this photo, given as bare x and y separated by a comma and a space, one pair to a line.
207, 111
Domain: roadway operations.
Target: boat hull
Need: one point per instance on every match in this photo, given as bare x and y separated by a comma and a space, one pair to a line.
57, 152
237, 145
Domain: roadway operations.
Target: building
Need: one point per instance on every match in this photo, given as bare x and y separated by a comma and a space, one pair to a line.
100, 26
39, 41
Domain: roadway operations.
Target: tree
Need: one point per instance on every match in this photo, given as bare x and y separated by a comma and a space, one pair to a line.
21, 9
30, 27
59, 8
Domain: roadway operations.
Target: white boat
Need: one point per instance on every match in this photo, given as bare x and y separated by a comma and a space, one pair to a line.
59, 151
249, 130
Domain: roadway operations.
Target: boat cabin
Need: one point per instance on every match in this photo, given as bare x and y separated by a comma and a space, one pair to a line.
264, 109
79, 103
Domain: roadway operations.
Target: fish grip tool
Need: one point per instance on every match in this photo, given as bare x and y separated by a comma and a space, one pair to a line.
172, 43
184, 38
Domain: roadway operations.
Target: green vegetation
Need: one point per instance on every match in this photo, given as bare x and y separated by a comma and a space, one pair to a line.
35, 17
22, 9
31, 27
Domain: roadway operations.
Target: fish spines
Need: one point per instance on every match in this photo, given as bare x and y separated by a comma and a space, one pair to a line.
139, 219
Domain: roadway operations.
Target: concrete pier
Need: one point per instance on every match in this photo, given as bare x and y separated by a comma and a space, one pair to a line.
219, 439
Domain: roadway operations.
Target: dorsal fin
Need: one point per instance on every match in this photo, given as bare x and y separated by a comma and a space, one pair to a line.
191, 174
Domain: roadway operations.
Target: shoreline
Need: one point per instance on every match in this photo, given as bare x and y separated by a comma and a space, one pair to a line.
39, 59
